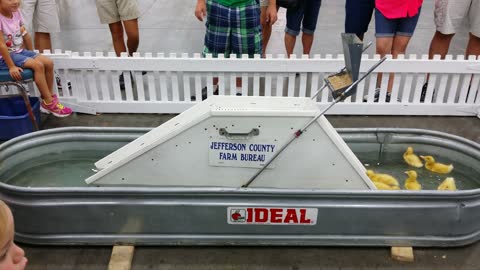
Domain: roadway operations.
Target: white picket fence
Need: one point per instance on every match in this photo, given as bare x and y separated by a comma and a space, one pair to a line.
165, 84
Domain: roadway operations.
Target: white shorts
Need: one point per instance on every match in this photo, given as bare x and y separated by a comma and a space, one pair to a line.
41, 15
112, 11
263, 3
449, 16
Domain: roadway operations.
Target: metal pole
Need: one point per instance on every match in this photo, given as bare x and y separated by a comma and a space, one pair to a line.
299, 132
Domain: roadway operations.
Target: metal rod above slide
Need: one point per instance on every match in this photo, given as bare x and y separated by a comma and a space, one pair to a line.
299, 132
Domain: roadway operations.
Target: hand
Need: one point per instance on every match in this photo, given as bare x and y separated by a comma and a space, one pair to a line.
15, 72
271, 14
201, 10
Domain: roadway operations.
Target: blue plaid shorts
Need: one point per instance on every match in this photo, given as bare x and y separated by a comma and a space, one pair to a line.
233, 30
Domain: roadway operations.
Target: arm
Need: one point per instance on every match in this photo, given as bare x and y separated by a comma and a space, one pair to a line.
14, 70
27, 42
201, 10
272, 11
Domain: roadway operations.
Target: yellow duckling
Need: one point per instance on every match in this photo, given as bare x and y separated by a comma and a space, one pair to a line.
433, 166
448, 184
411, 182
412, 159
382, 186
382, 178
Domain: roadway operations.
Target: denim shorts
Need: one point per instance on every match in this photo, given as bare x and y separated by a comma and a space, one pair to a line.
358, 14
306, 15
19, 58
385, 27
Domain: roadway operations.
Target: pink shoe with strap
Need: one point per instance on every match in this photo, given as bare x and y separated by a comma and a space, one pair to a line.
55, 108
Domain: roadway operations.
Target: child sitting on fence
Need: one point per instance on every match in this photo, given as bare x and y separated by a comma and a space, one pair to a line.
11, 256
16, 53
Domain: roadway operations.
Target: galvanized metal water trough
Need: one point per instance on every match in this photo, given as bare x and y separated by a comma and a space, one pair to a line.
242, 216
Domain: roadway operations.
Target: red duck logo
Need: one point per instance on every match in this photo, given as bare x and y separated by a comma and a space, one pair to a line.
237, 215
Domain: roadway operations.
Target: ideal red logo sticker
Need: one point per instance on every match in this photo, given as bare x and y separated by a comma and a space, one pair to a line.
272, 216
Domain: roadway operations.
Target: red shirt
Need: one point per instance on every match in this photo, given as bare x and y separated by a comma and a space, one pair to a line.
395, 9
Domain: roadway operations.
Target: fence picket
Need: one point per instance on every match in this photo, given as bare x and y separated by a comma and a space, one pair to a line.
474, 90
256, 80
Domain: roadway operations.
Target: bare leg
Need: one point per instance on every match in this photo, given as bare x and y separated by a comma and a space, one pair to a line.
440, 45
42, 41
116, 29
133, 36
307, 41
473, 47
290, 43
400, 44
266, 30
48, 64
39, 78
384, 46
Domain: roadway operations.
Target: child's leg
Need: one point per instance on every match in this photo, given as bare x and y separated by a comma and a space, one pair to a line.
48, 64
310, 18
266, 27
131, 28
39, 78
116, 30
43, 41
246, 34
385, 30
292, 30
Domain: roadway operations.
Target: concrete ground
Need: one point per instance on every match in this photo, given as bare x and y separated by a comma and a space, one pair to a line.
265, 258
169, 26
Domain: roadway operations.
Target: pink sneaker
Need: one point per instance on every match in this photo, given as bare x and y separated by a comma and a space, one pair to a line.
55, 108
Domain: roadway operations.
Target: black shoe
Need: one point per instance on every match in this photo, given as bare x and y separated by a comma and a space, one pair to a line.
239, 94
376, 97
423, 95
204, 93
121, 81
59, 83
424, 92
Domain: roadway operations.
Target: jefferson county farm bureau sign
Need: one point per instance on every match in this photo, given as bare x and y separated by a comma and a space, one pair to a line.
240, 154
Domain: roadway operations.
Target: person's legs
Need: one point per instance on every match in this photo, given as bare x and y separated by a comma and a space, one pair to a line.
129, 13
116, 30
399, 46
473, 47
440, 45
384, 47
39, 78
246, 34
266, 27
292, 30
358, 14
131, 28
384, 31
290, 41
405, 29
46, 21
49, 104
217, 36
42, 41
48, 66
310, 18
